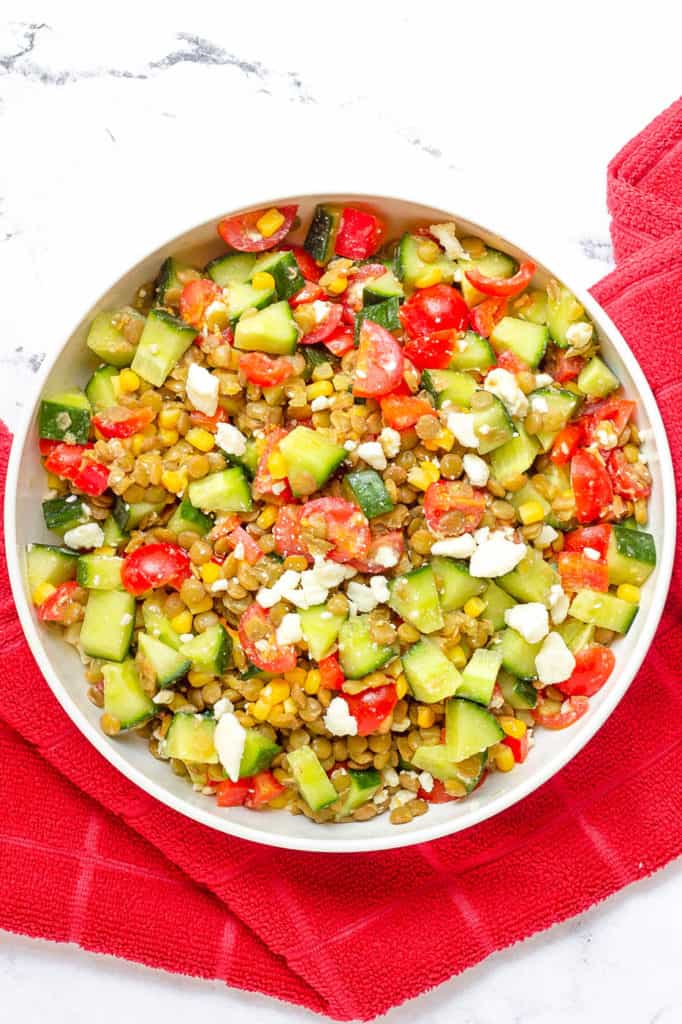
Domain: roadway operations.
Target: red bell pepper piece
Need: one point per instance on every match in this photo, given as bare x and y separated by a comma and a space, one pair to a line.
502, 286
330, 670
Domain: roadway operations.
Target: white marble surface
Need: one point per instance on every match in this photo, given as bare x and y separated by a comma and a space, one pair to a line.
122, 124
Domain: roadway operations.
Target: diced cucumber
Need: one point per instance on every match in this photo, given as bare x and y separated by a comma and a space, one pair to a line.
449, 386
62, 514
472, 352
414, 597
209, 651
188, 519
469, 729
437, 761
235, 268
164, 341
631, 556
409, 266
576, 635
531, 580
497, 602
167, 664
173, 275
313, 783
140, 510
101, 388
113, 534
366, 487
106, 338
363, 786
48, 564
596, 379
319, 241
492, 264
518, 656
225, 491
383, 313
190, 738
430, 674
124, 698
284, 268
310, 458
100, 572
560, 404
521, 695
531, 306
563, 309
315, 355
240, 297
65, 417
258, 754
158, 626
108, 624
493, 426
454, 583
529, 493
272, 329
359, 654
526, 340
604, 610
380, 288
249, 460
514, 457
320, 629
479, 676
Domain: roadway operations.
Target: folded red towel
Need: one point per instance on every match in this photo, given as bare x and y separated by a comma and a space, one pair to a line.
325, 931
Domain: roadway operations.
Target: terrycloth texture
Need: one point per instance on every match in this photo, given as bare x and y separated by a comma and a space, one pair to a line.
95, 861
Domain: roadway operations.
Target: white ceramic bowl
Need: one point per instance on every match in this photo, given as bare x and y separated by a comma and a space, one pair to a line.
72, 363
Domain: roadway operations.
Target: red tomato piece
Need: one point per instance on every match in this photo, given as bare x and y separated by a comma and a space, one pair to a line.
264, 788
591, 486
438, 308
613, 410
346, 526
287, 531
200, 419
69, 462
45, 446
257, 637
593, 666
566, 444
57, 607
509, 361
242, 234
153, 566
595, 537
486, 314
264, 370
380, 364
453, 508
340, 341
232, 794
563, 367
372, 563
431, 351
571, 710
502, 286
518, 747
372, 707
402, 411
306, 264
630, 480
438, 794
330, 318
578, 571
310, 292
252, 551
264, 484
92, 478
195, 298
353, 295
120, 421
330, 670
64, 459
359, 234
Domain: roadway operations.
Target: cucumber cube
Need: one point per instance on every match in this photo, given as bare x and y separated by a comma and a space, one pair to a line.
124, 697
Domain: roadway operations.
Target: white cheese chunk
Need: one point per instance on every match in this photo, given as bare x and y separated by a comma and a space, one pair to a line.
231, 440
446, 236
229, 738
338, 719
390, 442
476, 469
554, 662
202, 389
455, 547
558, 603
320, 403
461, 424
426, 781
543, 380
222, 707
372, 453
530, 620
579, 334
386, 556
502, 384
361, 597
546, 536
379, 587
89, 535
289, 630
496, 556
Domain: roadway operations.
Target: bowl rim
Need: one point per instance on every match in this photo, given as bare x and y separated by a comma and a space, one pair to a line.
396, 838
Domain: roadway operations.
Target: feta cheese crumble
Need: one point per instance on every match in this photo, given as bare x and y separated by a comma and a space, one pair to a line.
554, 662
502, 384
365, 598
229, 738
372, 453
289, 630
426, 781
386, 556
455, 547
496, 556
579, 335
546, 536
530, 620
202, 389
89, 535
476, 469
543, 380
320, 403
539, 404
222, 707
390, 442
558, 603
446, 236
307, 588
338, 719
231, 440
592, 554
461, 424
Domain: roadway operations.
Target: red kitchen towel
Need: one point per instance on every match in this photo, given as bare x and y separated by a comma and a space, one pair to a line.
96, 861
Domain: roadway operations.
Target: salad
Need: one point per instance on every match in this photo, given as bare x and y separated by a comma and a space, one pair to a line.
340, 524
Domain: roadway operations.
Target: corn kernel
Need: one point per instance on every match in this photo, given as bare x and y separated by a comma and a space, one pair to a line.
338, 284
512, 726
105, 550
210, 572
137, 443
168, 418
277, 466
173, 480
278, 716
320, 389
425, 717
428, 251
182, 622
628, 592
296, 676
278, 802
631, 452
531, 512
201, 439
474, 607
42, 592
312, 681
53, 481
198, 679
270, 222
423, 475
457, 656
260, 710
205, 605
444, 439
275, 692
290, 706
262, 280
267, 517
401, 686
168, 437
429, 277
128, 381
503, 757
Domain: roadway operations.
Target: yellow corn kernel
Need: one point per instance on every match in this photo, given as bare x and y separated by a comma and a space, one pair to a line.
423, 475
267, 517
197, 678
474, 607
137, 443
182, 622
262, 280
275, 692
260, 710
321, 388
201, 439
631, 452
312, 681
296, 676
290, 706
105, 550
128, 381
168, 437
628, 592
338, 284
168, 418
444, 439
53, 482
278, 802
277, 466
457, 656
531, 512
512, 726
42, 592
205, 605
401, 686
429, 277
270, 222
503, 757
210, 572
428, 251
173, 480
425, 717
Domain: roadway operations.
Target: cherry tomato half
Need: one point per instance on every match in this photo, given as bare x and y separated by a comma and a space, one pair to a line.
61, 605
359, 234
329, 316
342, 524
310, 292
566, 444
372, 707
153, 566
591, 486
486, 314
252, 552
264, 483
453, 508
562, 366
431, 351
257, 637
70, 462
612, 410
595, 537
340, 341
242, 234
593, 666
264, 370
119, 421
195, 298
306, 264
374, 562
571, 710
578, 571
629, 479
287, 531
438, 308
502, 286
380, 364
